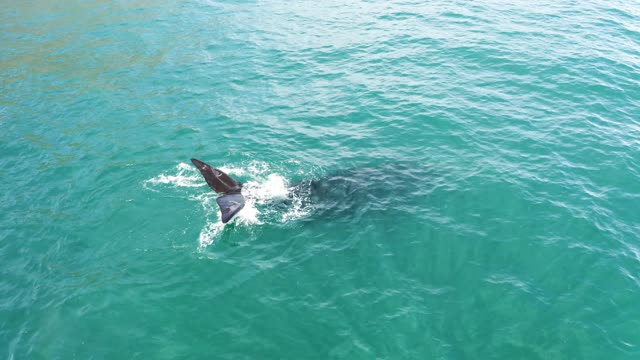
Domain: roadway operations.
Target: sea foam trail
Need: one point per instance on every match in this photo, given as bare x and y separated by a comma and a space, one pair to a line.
261, 187
184, 176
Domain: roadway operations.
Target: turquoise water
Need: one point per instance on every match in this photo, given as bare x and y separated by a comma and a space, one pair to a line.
492, 152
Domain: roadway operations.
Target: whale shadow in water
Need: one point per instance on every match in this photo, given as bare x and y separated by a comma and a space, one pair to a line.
342, 195
355, 192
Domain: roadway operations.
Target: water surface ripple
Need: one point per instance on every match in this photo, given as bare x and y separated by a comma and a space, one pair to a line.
488, 156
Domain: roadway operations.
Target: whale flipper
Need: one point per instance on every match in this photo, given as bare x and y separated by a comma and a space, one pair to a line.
229, 205
232, 201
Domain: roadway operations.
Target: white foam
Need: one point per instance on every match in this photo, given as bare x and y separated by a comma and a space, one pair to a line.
209, 232
297, 210
185, 176
263, 190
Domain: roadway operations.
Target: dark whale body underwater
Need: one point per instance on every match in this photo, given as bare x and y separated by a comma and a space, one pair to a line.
388, 187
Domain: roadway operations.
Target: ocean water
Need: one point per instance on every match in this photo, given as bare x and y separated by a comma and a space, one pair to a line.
480, 162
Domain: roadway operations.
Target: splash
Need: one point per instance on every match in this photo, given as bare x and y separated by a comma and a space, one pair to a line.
262, 188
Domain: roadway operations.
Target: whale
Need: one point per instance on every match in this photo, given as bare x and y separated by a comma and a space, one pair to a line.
340, 194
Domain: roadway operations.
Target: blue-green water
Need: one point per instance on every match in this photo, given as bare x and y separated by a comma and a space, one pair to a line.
493, 148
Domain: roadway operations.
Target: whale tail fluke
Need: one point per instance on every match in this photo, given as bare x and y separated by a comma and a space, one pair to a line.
217, 180
230, 205
232, 201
